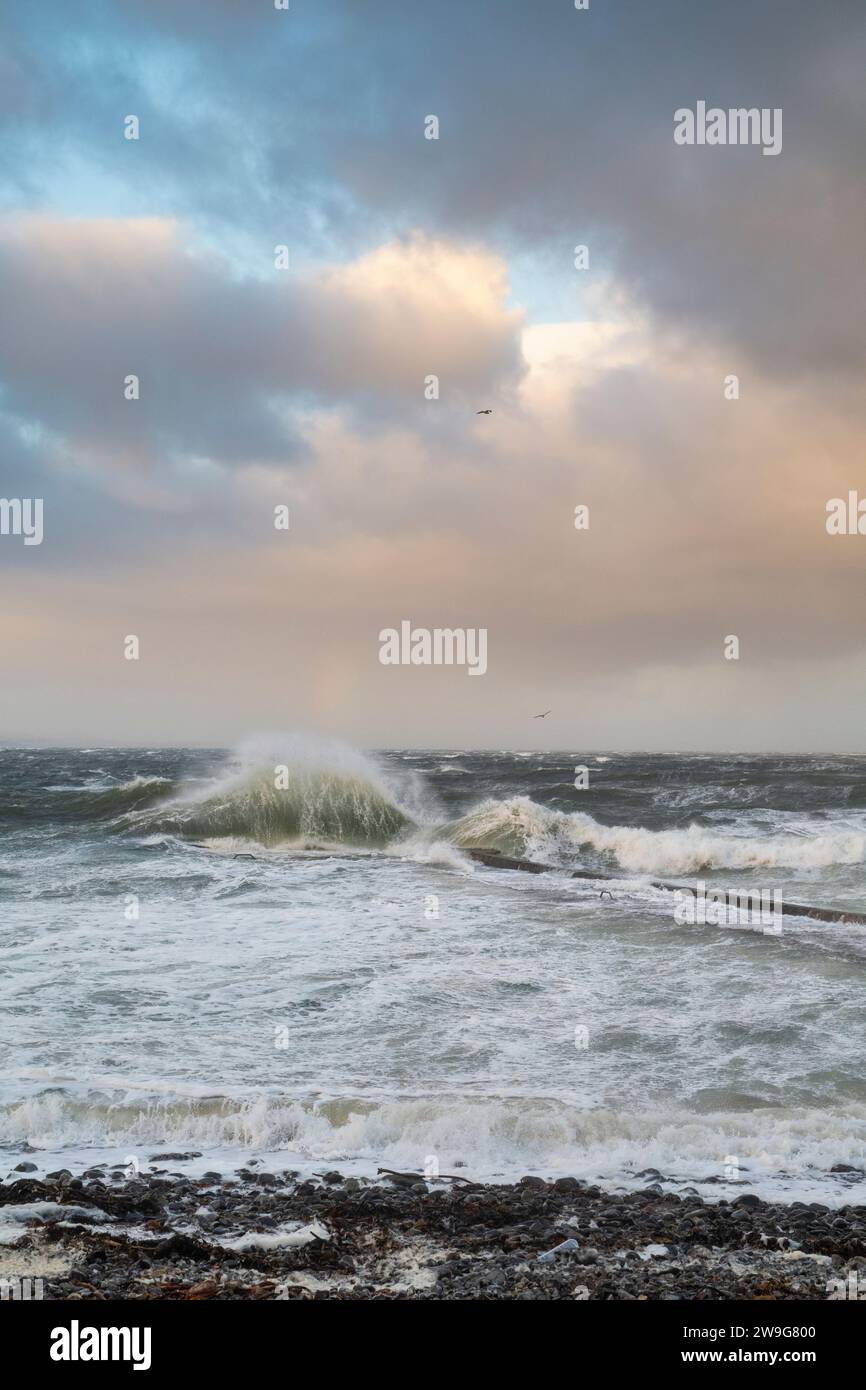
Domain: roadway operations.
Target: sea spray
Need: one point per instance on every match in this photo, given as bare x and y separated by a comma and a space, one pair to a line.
285, 789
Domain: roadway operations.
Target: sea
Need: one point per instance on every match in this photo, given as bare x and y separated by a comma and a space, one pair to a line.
281, 955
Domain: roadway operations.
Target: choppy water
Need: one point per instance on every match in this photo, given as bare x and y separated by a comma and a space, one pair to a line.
360, 993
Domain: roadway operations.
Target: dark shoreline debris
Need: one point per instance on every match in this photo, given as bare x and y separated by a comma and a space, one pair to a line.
160, 1237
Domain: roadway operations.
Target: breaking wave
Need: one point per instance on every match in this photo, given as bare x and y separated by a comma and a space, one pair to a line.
478, 1135
522, 827
313, 806
291, 792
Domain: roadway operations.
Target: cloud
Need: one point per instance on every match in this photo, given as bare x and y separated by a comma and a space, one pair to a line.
411, 258
707, 518
223, 363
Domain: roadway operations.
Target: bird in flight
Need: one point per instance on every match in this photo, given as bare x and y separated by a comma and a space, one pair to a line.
484, 412
543, 716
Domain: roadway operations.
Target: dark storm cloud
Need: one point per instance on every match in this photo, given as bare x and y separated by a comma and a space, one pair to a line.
556, 127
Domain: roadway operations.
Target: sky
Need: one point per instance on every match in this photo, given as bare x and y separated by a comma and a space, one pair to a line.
306, 385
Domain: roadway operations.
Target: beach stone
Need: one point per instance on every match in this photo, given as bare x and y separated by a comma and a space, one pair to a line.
483, 1243
567, 1185
172, 1157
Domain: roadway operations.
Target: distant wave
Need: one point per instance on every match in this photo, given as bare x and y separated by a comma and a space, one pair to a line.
101, 800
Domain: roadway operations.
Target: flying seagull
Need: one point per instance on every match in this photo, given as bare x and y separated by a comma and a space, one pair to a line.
484, 412
543, 716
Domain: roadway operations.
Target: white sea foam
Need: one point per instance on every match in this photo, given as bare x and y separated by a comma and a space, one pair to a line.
778, 1151
284, 1238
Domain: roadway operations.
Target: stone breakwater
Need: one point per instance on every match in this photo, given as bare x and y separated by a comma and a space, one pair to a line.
262, 1235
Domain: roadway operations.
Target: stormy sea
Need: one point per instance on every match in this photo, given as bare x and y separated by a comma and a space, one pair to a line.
282, 955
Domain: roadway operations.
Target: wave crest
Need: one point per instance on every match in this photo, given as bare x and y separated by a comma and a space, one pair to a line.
520, 826
313, 806
786, 1152
294, 791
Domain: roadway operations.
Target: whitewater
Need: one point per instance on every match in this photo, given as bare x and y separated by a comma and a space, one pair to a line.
283, 954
